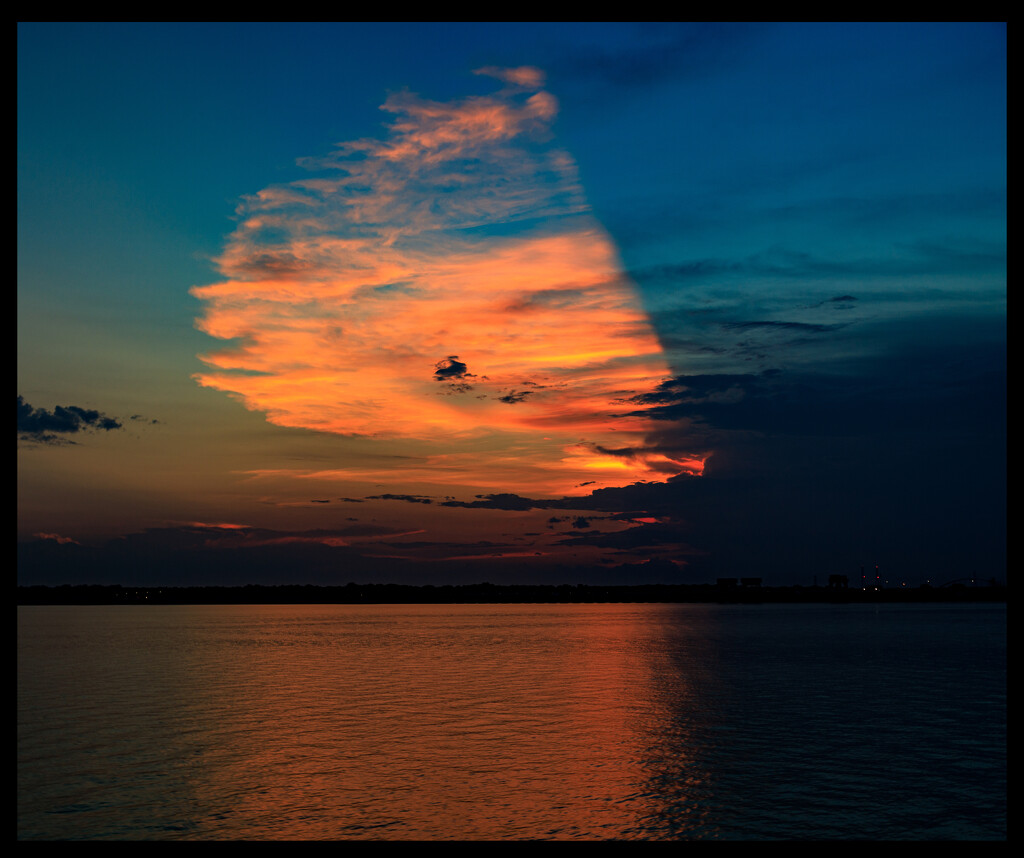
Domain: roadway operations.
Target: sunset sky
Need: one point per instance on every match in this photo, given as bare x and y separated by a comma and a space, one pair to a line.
538, 303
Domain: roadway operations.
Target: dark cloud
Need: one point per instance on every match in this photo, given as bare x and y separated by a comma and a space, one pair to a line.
673, 396
449, 368
452, 371
657, 53
515, 396
52, 427
602, 500
456, 388
406, 498
642, 536
898, 458
925, 388
907, 260
502, 500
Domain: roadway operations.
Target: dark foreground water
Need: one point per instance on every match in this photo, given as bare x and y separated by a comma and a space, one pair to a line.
592, 722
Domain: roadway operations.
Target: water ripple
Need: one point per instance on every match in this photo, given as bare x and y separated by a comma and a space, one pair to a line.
512, 722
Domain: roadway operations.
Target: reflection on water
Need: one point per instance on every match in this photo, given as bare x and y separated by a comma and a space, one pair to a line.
511, 721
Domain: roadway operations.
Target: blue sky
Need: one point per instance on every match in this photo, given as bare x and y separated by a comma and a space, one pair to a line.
812, 216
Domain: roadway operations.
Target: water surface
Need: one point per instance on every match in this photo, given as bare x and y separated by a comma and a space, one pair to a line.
432, 722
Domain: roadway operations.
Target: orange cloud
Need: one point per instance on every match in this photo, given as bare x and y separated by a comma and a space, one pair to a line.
56, 537
442, 284
526, 77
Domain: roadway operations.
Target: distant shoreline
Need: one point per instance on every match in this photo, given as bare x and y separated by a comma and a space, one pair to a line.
393, 594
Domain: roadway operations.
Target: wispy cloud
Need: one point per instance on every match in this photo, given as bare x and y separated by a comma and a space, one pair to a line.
458, 249
56, 537
659, 52
524, 77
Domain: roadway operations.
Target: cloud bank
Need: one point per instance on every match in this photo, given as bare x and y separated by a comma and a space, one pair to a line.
444, 283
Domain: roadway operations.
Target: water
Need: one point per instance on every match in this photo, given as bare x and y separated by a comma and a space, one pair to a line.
494, 722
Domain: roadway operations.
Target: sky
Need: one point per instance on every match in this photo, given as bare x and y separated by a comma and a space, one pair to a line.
603, 303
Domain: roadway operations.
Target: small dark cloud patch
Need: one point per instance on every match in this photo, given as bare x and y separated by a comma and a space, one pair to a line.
456, 387
406, 498
504, 501
451, 368
515, 396
685, 395
317, 500
352, 500
53, 427
621, 452
580, 522
453, 372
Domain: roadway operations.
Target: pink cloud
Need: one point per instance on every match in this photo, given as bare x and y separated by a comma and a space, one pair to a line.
526, 77
56, 537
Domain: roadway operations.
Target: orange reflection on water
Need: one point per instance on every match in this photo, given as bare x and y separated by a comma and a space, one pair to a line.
440, 722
